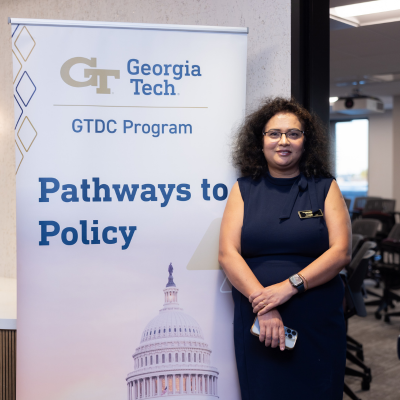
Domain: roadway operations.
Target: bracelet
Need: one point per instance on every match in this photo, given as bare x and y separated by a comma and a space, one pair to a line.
305, 281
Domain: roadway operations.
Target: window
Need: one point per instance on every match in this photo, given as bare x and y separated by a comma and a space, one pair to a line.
169, 357
176, 357
163, 358
351, 159
183, 357
194, 357
151, 360
141, 362
145, 361
189, 357
157, 359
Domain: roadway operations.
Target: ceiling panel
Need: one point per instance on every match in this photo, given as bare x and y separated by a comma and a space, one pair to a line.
339, 3
370, 50
391, 30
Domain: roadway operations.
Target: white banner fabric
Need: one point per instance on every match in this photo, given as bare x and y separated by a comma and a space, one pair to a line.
122, 137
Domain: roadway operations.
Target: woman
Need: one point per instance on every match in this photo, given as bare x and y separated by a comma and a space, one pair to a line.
285, 236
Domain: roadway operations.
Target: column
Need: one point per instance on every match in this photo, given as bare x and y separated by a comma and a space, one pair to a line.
173, 383
214, 386
181, 384
129, 398
197, 383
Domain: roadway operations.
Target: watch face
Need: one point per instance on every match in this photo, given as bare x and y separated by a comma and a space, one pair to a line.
296, 280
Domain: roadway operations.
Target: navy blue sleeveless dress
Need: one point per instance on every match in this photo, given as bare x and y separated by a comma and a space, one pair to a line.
276, 244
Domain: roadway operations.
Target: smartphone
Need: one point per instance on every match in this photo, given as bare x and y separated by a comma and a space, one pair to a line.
290, 334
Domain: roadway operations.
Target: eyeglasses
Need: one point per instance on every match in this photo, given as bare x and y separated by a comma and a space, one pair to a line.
292, 134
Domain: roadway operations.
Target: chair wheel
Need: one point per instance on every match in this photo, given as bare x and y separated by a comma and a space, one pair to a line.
360, 355
387, 318
365, 384
378, 315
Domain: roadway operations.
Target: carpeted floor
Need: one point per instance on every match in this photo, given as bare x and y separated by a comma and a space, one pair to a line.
380, 351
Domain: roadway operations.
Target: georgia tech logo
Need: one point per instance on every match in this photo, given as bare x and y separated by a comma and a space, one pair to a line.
93, 74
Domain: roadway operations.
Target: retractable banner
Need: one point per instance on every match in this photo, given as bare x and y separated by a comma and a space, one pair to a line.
122, 138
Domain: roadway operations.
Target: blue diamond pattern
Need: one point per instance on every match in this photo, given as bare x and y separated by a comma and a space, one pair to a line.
26, 87
15, 108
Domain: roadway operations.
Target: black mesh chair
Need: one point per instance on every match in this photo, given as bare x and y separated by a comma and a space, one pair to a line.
356, 241
354, 305
383, 211
359, 204
368, 228
389, 270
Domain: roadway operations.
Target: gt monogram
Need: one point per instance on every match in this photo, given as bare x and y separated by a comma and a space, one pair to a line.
310, 214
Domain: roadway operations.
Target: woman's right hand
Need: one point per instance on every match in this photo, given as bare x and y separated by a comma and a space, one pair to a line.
272, 329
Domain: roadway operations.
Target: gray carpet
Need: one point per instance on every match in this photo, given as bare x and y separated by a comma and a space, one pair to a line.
380, 351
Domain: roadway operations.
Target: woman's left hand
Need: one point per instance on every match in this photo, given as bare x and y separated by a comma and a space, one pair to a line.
271, 297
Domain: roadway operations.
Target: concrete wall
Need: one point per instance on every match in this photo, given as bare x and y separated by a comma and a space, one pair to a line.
268, 62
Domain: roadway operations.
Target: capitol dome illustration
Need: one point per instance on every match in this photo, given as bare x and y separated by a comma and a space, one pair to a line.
173, 359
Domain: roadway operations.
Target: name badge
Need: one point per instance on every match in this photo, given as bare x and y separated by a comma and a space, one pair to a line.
310, 214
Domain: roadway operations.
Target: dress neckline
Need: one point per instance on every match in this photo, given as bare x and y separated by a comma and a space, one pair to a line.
281, 181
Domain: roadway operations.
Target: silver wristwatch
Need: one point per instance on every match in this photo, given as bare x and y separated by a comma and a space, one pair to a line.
297, 282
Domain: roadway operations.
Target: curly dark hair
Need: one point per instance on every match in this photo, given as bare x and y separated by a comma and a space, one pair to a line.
247, 154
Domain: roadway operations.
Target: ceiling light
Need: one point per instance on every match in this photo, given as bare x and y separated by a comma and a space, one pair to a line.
370, 7
333, 99
368, 13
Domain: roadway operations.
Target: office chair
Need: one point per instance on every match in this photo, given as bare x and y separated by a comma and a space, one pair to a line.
355, 306
389, 270
359, 204
383, 211
356, 241
368, 228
